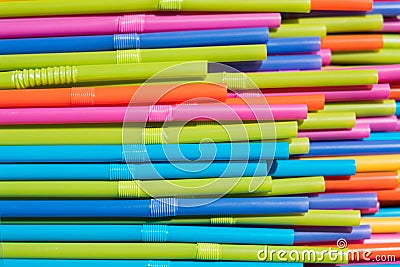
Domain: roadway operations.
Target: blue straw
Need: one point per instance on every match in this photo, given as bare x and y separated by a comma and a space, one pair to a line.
390, 136
151, 208
386, 212
398, 109
386, 9
136, 263
348, 148
145, 153
145, 233
118, 171
280, 46
327, 235
298, 168
355, 201
135, 41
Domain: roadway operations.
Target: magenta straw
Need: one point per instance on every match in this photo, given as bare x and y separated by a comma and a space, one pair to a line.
383, 239
326, 56
377, 92
151, 114
371, 210
111, 24
391, 25
380, 124
360, 131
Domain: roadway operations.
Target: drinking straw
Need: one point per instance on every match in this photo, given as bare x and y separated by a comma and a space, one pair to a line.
395, 92
135, 263
387, 73
326, 55
387, 9
135, 41
345, 24
369, 181
378, 124
391, 40
118, 171
112, 134
292, 79
364, 109
350, 43
131, 23
375, 251
281, 63
383, 56
293, 45
387, 212
348, 148
172, 251
117, 95
313, 102
334, 218
134, 189
212, 53
391, 25
372, 163
99, 73
145, 233
397, 109
49, 8
344, 201
342, 5
241, 151
157, 113
152, 208
389, 197
294, 186
384, 136
297, 30
328, 120
383, 239
371, 210
295, 168
382, 225
297, 146
358, 132
377, 92
314, 236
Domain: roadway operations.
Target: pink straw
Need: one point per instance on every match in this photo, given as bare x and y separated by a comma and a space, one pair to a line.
360, 131
159, 113
391, 25
377, 92
137, 23
380, 124
383, 239
326, 56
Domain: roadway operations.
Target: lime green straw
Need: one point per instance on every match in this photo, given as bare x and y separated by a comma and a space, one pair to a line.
384, 56
296, 30
109, 134
364, 108
345, 24
328, 120
100, 73
298, 146
257, 80
169, 251
135, 189
391, 41
70, 7
211, 53
311, 218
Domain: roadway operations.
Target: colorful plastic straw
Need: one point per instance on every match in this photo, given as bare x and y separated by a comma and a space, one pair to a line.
387, 73
293, 45
152, 208
350, 234
131, 23
145, 153
128, 172
387, 212
49, 8
378, 124
365, 109
387, 9
383, 56
297, 30
136, 189
112, 134
158, 113
358, 132
344, 201
100, 73
391, 25
350, 43
383, 225
383, 239
328, 120
384, 136
212, 53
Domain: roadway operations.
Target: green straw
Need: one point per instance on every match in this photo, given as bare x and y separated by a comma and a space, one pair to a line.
109, 134
212, 53
384, 56
311, 218
135, 189
298, 146
328, 120
169, 251
364, 108
295, 79
391, 40
345, 24
71, 7
296, 30
101, 73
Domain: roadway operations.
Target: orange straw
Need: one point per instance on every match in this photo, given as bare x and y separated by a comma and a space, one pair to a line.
342, 5
382, 225
395, 92
348, 43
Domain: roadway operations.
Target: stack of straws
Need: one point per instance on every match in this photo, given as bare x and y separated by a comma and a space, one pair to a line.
261, 161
